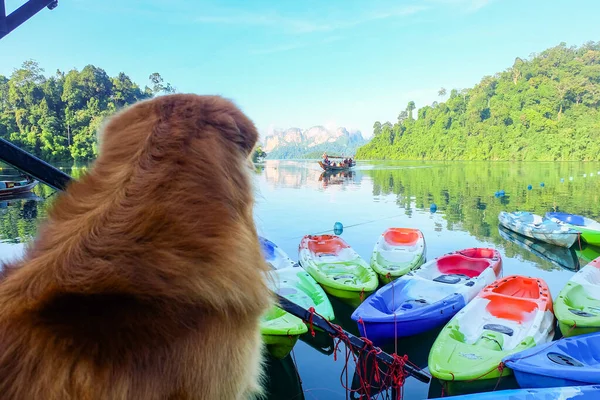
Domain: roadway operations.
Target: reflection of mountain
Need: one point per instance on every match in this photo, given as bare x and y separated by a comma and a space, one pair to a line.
312, 142
464, 192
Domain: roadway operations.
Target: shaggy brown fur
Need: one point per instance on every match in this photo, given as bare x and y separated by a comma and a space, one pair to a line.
146, 281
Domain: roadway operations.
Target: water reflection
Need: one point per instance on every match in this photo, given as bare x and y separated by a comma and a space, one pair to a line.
559, 256
295, 198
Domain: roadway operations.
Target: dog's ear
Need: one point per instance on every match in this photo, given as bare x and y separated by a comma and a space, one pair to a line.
234, 124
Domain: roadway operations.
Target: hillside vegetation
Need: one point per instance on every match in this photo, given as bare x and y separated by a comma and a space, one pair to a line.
56, 117
542, 108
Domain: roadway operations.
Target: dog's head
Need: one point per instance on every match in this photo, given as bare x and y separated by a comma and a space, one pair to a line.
202, 142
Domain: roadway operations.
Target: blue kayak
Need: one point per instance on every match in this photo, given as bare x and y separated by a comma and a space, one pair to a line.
428, 296
591, 392
569, 361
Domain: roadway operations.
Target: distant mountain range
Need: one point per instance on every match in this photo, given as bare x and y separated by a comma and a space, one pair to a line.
312, 142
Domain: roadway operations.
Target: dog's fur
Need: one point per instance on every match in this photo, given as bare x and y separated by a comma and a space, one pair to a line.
147, 279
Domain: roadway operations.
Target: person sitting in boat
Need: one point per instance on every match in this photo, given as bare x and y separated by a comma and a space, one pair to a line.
350, 162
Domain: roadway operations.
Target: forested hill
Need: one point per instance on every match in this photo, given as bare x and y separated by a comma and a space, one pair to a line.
542, 108
55, 117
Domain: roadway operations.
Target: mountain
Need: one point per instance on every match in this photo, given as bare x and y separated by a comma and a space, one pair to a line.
542, 108
312, 142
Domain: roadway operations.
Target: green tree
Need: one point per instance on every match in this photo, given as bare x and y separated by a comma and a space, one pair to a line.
546, 107
442, 93
409, 108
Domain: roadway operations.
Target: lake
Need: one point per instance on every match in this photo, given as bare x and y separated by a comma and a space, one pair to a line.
294, 198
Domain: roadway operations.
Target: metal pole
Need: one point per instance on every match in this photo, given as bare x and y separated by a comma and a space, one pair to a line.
20, 15
33, 166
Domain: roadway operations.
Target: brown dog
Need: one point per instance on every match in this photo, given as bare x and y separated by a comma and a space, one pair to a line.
147, 280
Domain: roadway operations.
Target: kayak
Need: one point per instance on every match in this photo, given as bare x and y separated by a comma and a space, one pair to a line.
274, 255
280, 329
590, 229
537, 227
397, 252
337, 267
591, 392
510, 315
587, 252
427, 297
560, 256
571, 361
577, 307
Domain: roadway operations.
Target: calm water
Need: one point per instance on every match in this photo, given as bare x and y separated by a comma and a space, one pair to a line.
295, 199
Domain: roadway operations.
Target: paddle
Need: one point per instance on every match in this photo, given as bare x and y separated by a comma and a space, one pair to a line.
58, 180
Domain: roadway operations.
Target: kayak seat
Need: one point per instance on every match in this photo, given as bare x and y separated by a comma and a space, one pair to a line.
458, 264
478, 252
400, 236
510, 308
326, 245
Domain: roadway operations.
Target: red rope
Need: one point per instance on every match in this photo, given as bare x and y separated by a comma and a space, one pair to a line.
312, 311
393, 378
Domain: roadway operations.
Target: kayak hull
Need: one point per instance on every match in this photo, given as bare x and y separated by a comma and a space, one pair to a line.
510, 315
427, 297
590, 392
577, 307
566, 362
536, 227
337, 267
280, 346
589, 229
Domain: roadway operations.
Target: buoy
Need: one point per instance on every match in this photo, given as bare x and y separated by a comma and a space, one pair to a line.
542, 184
562, 180
529, 187
338, 228
433, 207
570, 178
502, 193
584, 175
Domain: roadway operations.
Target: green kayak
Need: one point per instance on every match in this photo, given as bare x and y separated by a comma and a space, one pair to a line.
280, 329
510, 315
397, 252
337, 267
590, 229
577, 307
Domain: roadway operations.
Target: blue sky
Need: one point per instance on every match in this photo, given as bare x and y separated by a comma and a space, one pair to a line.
301, 63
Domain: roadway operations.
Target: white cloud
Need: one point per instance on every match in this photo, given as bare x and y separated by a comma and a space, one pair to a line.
302, 25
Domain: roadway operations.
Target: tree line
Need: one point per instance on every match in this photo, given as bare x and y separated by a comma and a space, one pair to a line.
542, 108
56, 117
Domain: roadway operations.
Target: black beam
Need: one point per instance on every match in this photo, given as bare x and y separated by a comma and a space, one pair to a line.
10, 22
33, 166
2, 17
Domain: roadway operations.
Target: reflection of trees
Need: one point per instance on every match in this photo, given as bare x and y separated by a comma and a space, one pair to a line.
21, 214
464, 193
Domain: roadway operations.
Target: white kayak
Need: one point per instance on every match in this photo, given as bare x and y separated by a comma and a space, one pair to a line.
538, 227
